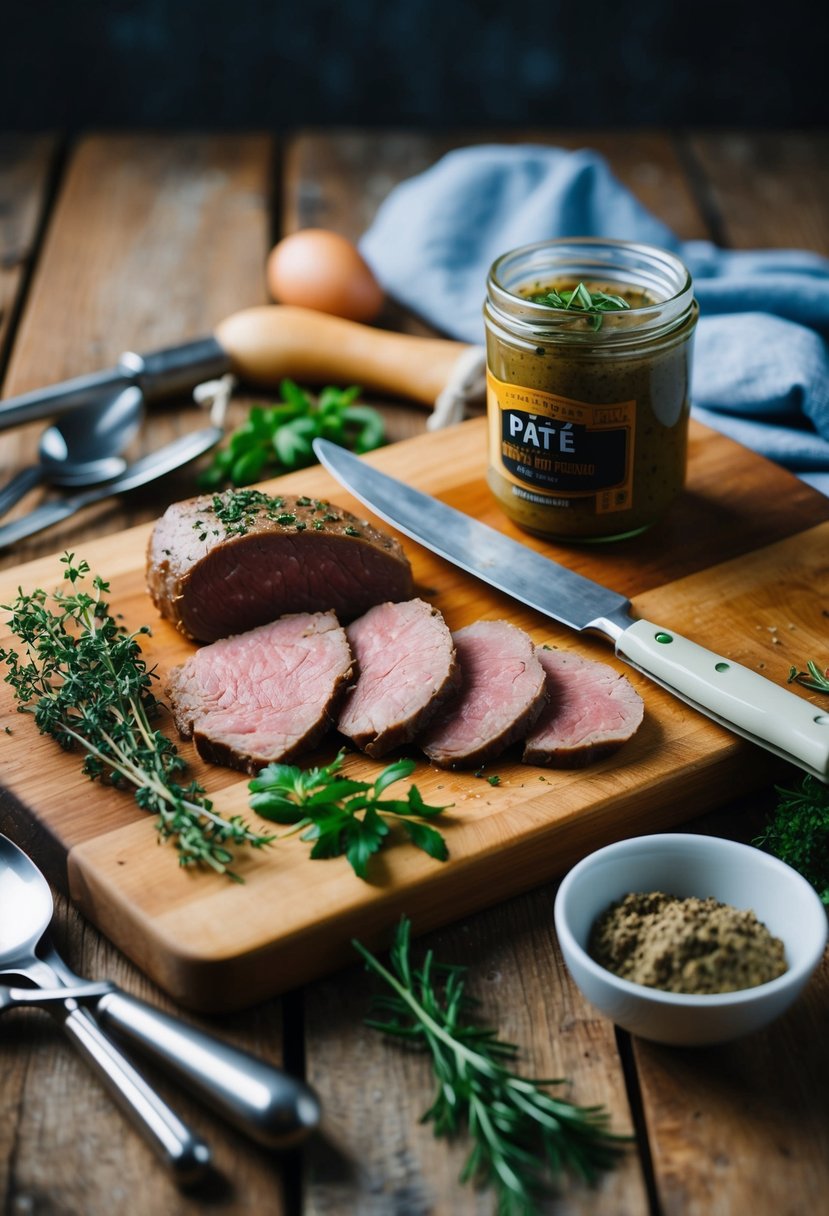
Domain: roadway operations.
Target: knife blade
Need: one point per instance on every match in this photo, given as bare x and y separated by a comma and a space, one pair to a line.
725, 691
172, 456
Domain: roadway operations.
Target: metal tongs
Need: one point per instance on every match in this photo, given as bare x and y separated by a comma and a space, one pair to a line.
159, 374
163, 373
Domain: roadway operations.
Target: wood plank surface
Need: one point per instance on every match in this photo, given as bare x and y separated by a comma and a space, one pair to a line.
26, 165
111, 277
745, 1127
377, 1159
153, 240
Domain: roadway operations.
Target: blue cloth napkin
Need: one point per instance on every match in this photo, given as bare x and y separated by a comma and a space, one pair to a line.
761, 368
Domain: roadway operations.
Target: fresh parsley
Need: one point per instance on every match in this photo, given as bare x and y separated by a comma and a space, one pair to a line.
344, 816
278, 438
523, 1138
580, 299
85, 681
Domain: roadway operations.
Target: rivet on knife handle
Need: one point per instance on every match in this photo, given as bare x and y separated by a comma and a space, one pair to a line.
729, 693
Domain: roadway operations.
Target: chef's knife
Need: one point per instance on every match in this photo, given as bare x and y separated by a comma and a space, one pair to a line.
731, 694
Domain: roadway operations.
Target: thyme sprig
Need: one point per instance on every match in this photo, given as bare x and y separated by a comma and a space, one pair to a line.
85, 681
523, 1138
798, 832
344, 816
581, 299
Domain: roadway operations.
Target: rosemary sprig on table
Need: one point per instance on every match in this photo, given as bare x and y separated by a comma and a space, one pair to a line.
813, 677
343, 816
580, 299
85, 681
523, 1138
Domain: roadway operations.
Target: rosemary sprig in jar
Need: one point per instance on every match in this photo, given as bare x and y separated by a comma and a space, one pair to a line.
85, 681
580, 299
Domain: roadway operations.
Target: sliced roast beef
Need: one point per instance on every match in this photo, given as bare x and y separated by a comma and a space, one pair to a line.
262, 696
221, 564
406, 669
502, 693
591, 711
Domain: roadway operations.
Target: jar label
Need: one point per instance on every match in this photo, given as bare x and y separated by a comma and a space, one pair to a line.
558, 449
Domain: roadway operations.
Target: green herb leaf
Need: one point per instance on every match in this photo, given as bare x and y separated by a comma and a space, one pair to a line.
813, 677
580, 299
279, 438
798, 829
84, 679
341, 815
523, 1138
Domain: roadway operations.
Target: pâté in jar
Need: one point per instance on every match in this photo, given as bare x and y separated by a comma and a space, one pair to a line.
588, 385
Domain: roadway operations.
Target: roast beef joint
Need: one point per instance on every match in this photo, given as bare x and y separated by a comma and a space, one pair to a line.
312, 626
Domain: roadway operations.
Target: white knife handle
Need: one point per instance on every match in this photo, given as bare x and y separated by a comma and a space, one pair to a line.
731, 694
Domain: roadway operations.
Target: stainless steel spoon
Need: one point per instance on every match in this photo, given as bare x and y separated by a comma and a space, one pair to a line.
25, 911
272, 1107
83, 448
172, 456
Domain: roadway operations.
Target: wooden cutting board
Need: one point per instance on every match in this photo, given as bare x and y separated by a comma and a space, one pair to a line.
740, 566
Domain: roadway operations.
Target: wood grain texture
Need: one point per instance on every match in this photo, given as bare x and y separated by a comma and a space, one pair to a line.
26, 164
387, 1160
717, 1139
153, 240
215, 945
743, 1127
769, 189
66, 1149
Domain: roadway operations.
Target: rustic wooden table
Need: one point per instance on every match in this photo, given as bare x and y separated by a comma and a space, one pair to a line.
134, 242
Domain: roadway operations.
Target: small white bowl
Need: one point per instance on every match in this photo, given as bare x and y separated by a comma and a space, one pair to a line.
685, 865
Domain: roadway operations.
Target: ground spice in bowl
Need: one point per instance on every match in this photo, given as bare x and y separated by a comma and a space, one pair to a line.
685, 945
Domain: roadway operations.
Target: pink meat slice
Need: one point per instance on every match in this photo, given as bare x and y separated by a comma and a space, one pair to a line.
592, 710
406, 670
502, 693
265, 695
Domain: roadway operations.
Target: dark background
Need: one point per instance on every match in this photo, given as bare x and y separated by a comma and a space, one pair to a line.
266, 64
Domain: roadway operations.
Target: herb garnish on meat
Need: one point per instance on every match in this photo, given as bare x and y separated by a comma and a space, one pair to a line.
238, 510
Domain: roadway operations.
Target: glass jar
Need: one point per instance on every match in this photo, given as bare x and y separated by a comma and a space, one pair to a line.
588, 414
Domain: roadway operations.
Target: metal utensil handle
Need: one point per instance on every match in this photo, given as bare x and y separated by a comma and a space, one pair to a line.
187, 1156
272, 1107
148, 468
19, 485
